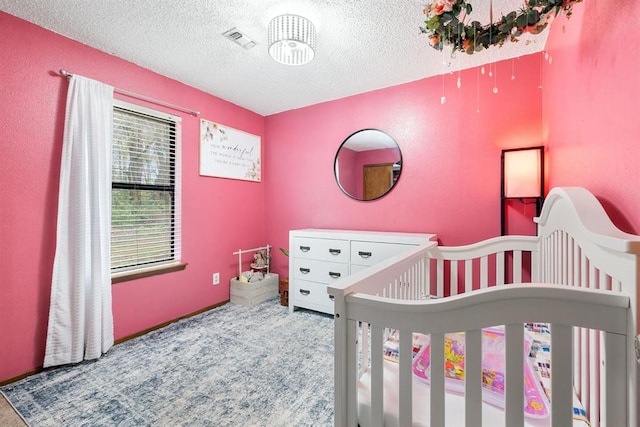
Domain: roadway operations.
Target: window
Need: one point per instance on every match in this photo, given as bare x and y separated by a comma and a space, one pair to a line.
145, 189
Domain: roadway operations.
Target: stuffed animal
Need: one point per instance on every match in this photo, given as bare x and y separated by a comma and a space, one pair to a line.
251, 276
260, 261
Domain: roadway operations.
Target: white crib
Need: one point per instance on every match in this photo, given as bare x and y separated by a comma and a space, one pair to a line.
592, 317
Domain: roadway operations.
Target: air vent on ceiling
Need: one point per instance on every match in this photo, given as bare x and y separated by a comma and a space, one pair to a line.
239, 38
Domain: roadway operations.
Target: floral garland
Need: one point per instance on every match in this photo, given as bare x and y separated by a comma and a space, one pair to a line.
444, 24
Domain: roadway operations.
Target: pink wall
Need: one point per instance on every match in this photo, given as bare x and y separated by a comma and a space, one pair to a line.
450, 182
216, 221
347, 172
585, 115
590, 102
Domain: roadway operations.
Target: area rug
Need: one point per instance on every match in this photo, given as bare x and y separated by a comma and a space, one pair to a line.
231, 366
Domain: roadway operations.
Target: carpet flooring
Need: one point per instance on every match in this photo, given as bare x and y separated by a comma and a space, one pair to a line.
231, 366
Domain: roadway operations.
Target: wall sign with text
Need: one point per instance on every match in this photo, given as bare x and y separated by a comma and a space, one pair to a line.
228, 153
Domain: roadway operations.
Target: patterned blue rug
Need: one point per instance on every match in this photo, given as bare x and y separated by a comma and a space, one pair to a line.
232, 366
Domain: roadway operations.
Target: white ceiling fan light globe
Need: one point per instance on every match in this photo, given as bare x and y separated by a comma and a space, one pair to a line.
292, 40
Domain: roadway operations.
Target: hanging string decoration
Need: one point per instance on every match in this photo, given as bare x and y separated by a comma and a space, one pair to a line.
445, 23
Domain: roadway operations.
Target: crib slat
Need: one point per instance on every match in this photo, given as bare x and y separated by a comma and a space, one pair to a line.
578, 347
555, 259
585, 360
453, 286
578, 343
377, 376
500, 268
577, 264
406, 284
352, 373
594, 379
514, 392
414, 282
473, 377
517, 266
427, 276
424, 277
569, 262
585, 383
602, 377
561, 387
616, 285
468, 275
546, 263
440, 276
405, 416
555, 253
535, 267
563, 257
615, 381
604, 282
576, 360
364, 347
484, 272
437, 380
584, 267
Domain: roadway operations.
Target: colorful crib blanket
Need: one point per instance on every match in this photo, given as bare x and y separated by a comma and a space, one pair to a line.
540, 356
537, 367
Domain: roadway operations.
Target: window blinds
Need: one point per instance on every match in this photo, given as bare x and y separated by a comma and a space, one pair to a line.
145, 222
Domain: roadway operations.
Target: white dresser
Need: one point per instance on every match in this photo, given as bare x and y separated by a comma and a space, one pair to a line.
318, 257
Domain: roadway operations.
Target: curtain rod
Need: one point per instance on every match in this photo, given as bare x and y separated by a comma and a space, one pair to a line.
142, 97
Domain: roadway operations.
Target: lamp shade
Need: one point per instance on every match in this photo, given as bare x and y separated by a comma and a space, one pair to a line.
292, 40
523, 173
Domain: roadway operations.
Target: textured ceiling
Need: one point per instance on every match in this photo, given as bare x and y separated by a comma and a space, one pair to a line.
362, 45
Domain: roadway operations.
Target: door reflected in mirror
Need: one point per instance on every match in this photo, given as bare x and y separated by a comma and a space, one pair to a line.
368, 164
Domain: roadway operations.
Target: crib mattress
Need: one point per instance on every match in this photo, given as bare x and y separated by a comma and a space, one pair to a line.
454, 404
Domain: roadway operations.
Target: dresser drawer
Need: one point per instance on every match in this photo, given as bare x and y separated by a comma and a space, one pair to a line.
333, 250
319, 271
370, 253
312, 295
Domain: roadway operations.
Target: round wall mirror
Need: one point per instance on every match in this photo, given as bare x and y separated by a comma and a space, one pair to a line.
368, 164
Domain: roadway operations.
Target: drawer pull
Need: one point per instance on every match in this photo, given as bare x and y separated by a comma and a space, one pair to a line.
364, 254
305, 292
334, 275
332, 297
334, 251
305, 270
305, 248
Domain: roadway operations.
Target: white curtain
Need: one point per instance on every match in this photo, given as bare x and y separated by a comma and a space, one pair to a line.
80, 315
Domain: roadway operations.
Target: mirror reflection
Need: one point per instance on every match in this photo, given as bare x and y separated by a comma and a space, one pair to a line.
368, 164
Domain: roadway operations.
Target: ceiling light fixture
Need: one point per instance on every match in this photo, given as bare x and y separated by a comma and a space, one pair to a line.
292, 40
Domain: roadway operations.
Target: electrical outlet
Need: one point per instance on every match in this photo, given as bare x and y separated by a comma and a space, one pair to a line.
216, 278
